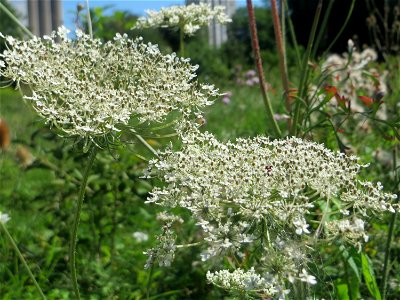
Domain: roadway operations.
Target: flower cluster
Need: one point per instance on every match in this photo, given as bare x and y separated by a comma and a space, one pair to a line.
88, 88
353, 76
189, 18
270, 195
240, 281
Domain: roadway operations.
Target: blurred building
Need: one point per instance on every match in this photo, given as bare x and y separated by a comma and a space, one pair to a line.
41, 16
217, 33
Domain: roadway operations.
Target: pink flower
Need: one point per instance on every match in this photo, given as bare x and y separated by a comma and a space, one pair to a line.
249, 82
227, 97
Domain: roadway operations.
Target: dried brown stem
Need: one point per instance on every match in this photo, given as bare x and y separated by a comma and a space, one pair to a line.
260, 71
281, 54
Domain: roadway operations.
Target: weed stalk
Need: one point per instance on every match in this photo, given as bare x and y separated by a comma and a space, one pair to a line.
259, 66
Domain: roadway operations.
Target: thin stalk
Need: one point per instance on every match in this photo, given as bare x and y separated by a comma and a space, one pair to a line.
89, 19
304, 70
281, 54
392, 225
74, 235
258, 62
341, 29
146, 144
323, 27
149, 281
181, 42
292, 33
15, 19
322, 223
21, 257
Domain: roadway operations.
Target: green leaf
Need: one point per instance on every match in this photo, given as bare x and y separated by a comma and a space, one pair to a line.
369, 277
342, 291
353, 276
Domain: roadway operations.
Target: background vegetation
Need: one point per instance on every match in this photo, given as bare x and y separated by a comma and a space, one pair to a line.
40, 173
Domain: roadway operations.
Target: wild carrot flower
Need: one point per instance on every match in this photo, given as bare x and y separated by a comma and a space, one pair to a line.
88, 88
190, 18
4, 218
240, 281
273, 196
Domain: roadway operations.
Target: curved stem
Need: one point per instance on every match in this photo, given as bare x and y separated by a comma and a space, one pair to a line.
146, 144
15, 19
350, 12
74, 235
258, 61
21, 257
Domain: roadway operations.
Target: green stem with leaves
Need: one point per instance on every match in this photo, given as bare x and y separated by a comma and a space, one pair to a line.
78, 209
21, 257
304, 72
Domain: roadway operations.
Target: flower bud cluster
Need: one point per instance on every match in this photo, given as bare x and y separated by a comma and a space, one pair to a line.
189, 18
88, 88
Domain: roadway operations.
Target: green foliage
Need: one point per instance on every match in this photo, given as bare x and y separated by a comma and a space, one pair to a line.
239, 50
7, 25
369, 276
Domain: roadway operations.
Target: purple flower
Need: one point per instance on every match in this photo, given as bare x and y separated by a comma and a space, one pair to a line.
249, 82
250, 73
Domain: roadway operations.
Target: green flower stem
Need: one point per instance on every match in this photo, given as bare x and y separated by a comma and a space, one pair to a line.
89, 19
74, 235
146, 144
392, 225
21, 257
181, 42
260, 71
304, 71
15, 19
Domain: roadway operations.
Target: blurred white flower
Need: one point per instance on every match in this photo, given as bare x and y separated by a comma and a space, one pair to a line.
305, 277
140, 236
4, 218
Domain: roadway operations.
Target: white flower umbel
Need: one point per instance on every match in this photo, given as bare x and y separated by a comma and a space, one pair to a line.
247, 194
4, 218
88, 88
247, 282
188, 18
